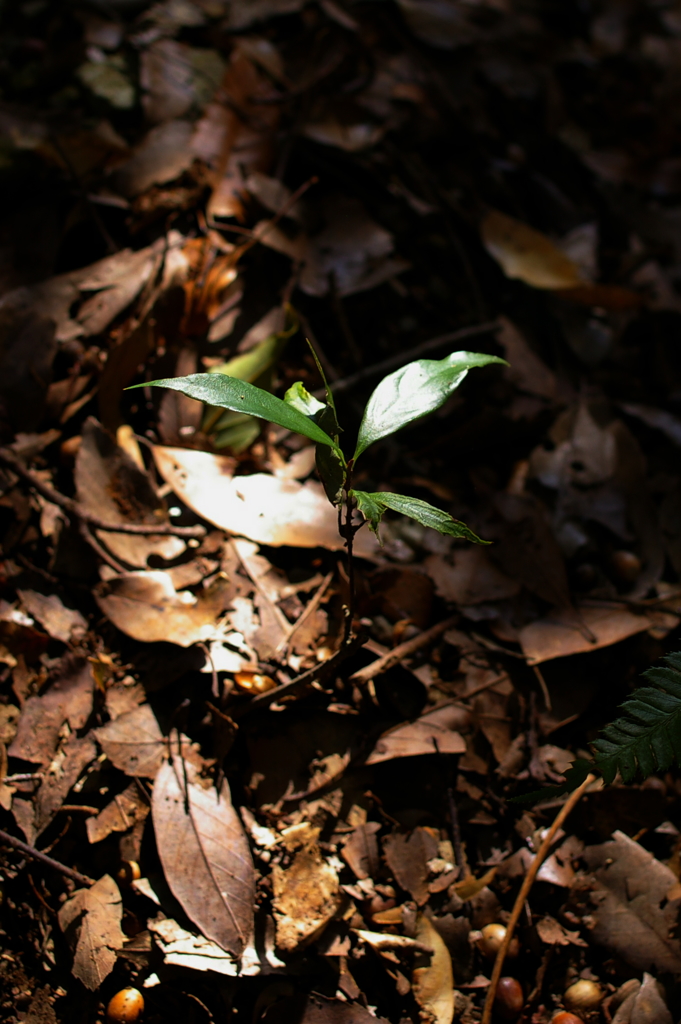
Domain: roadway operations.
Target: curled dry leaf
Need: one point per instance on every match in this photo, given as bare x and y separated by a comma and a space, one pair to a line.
306, 897
528, 255
261, 507
91, 919
185, 949
205, 854
632, 914
146, 606
552, 933
112, 486
433, 983
421, 736
60, 622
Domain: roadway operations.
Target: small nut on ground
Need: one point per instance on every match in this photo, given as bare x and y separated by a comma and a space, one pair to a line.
126, 1007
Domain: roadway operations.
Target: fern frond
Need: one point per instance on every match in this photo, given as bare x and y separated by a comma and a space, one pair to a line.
648, 737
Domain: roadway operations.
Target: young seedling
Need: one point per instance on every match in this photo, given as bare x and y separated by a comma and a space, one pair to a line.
408, 394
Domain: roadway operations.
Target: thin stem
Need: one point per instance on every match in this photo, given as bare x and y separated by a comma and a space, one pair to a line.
30, 851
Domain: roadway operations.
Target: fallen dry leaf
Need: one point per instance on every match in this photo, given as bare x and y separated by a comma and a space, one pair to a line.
146, 606
433, 983
263, 508
645, 1005
60, 622
528, 255
360, 852
563, 633
69, 699
407, 857
552, 933
205, 854
124, 811
420, 737
632, 915
91, 920
467, 576
306, 897
185, 949
133, 742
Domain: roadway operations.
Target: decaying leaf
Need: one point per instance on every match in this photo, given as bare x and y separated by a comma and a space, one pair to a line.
205, 855
91, 919
468, 576
553, 933
60, 622
431, 732
632, 914
433, 983
69, 699
645, 1005
186, 949
146, 606
263, 508
124, 811
563, 633
306, 897
360, 852
408, 856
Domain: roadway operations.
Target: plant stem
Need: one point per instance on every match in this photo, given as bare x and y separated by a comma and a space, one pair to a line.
30, 851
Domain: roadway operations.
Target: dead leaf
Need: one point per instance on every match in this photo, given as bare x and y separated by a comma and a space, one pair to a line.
174, 77
9, 721
91, 920
186, 949
319, 1010
162, 155
133, 742
261, 507
306, 897
69, 699
205, 855
360, 851
433, 983
60, 622
528, 255
467, 576
632, 915
470, 887
124, 811
146, 606
526, 370
552, 933
417, 737
62, 774
111, 485
407, 857
645, 1005
562, 634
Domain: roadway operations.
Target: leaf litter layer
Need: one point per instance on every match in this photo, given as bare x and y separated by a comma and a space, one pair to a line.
278, 822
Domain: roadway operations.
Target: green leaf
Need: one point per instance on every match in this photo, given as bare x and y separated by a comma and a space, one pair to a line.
329, 395
373, 506
298, 397
240, 396
413, 391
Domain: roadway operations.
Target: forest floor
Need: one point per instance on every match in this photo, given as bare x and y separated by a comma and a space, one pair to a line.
202, 184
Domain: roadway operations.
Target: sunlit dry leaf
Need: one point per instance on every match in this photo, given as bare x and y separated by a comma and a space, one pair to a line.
133, 742
433, 983
260, 507
552, 933
527, 254
91, 919
632, 915
306, 897
124, 811
360, 851
69, 699
60, 622
421, 736
469, 887
205, 854
185, 949
146, 606
561, 634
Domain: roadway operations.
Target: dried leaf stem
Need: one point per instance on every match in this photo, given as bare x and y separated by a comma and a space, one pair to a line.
72, 507
30, 851
528, 881
382, 664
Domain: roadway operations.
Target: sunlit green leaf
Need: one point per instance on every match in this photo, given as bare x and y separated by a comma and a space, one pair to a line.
300, 398
240, 396
373, 506
412, 392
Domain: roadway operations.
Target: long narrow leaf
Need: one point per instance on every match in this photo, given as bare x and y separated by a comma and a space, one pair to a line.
240, 396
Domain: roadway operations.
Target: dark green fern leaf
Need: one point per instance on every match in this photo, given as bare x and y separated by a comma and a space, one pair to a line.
648, 737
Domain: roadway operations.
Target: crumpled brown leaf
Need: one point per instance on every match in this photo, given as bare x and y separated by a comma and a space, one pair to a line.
133, 742
419, 737
205, 854
69, 699
433, 983
306, 895
360, 851
185, 949
645, 1005
91, 919
124, 811
60, 622
633, 914
408, 856
146, 606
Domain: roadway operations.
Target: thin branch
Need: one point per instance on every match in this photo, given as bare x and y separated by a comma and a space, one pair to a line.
309, 609
569, 804
363, 675
30, 851
72, 507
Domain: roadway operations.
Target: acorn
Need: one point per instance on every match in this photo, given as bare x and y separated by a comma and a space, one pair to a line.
583, 996
491, 938
626, 566
566, 1018
126, 1007
128, 872
509, 999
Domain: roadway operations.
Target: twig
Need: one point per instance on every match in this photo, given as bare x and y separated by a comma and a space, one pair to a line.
309, 609
363, 675
401, 358
457, 845
569, 804
99, 549
30, 851
72, 507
